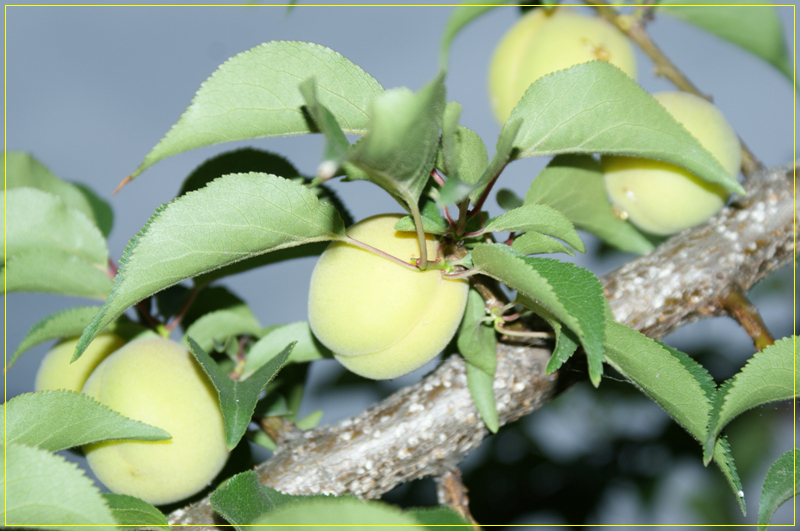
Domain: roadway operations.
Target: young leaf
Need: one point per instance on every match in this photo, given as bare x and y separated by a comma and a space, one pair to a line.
234, 217
447, 157
131, 511
41, 489
64, 323
476, 340
724, 460
539, 218
756, 28
769, 376
241, 499
56, 420
308, 348
454, 191
245, 160
221, 325
469, 157
468, 11
310, 421
781, 484
508, 200
23, 169
432, 220
237, 400
536, 243
35, 271
40, 221
481, 390
594, 107
398, 152
571, 294
573, 184
505, 152
336, 145
255, 94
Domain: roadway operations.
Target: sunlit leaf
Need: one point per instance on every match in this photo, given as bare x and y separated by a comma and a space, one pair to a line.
131, 511
55, 271
256, 94
539, 218
233, 218
595, 107
781, 484
56, 420
468, 11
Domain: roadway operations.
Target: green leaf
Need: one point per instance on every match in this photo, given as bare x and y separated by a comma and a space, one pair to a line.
237, 400
308, 348
674, 381
769, 376
571, 294
56, 420
505, 152
233, 218
440, 518
756, 28
780, 485
468, 11
336, 145
470, 159
131, 511
481, 390
659, 374
539, 218
242, 499
243, 160
55, 271
40, 221
476, 339
65, 323
310, 421
448, 155
432, 220
508, 200
255, 94
536, 243
219, 326
331, 513
41, 489
594, 107
23, 169
573, 184
455, 190
399, 151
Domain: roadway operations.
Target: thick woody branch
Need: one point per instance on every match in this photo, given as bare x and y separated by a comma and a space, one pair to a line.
427, 428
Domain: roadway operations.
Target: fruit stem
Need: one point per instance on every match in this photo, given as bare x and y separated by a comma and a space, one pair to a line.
373, 250
634, 28
423, 247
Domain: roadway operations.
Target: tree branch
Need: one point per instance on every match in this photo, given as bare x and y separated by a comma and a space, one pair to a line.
427, 428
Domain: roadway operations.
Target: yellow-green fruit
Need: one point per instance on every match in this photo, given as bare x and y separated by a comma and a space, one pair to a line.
543, 42
380, 319
158, 382
661, 198
56, 371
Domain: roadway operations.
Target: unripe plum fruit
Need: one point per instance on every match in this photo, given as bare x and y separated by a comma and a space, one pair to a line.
662, 198
380, 319
157, 381
545, 41
56, 371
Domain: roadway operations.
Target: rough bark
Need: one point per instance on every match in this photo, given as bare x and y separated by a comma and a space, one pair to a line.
427, 428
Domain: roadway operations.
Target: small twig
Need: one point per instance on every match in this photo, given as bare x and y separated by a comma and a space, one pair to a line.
477, 208
746, 314
527, 335
450, 491
634, 28
176, 320
437, 177
112, 269
278, 429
